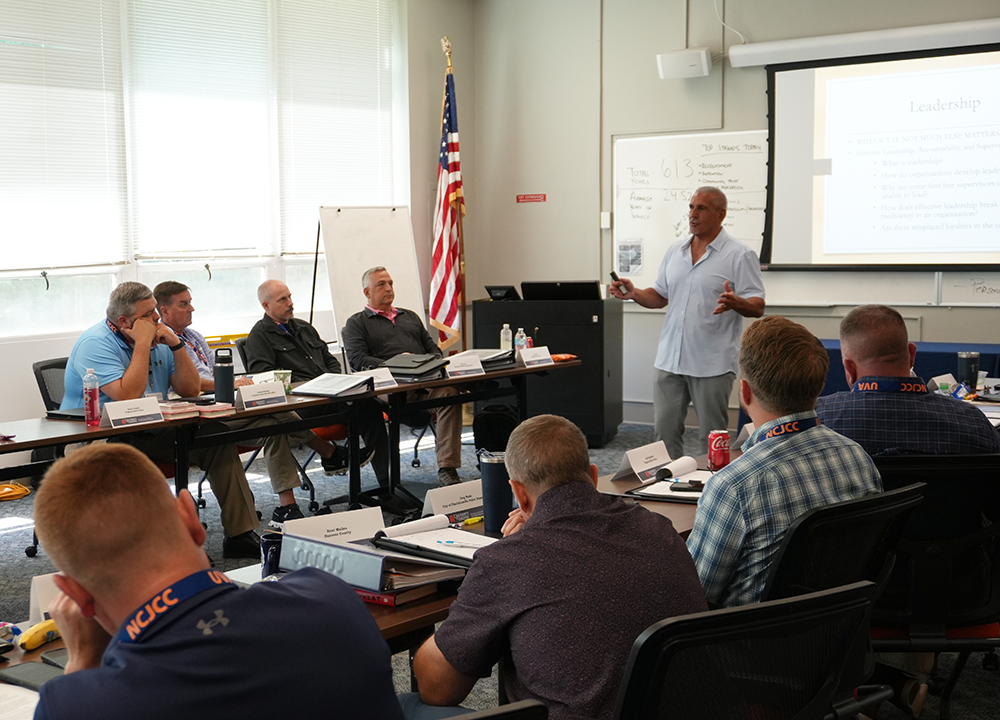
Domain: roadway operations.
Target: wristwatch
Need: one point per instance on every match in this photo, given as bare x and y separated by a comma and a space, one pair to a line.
178, 346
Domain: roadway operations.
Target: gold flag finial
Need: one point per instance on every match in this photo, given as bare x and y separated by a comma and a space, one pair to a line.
446, 48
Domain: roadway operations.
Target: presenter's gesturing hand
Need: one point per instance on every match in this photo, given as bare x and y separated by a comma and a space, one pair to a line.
747, 307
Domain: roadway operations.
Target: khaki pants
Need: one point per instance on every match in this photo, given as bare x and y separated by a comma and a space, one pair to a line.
225, 473
449, 425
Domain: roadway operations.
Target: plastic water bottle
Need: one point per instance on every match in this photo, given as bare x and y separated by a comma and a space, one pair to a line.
520, 340
506, 337
91, 398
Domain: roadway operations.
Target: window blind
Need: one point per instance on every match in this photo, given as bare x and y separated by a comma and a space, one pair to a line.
334, 93
62, 189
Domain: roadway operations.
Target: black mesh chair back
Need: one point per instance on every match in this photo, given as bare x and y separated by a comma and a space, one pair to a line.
50, 376
522, 710
778, 660
841, 543
944, 595
241, 348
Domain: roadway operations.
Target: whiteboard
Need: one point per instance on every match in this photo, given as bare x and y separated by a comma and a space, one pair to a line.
970, 288
357, 238
843, 287
654, 178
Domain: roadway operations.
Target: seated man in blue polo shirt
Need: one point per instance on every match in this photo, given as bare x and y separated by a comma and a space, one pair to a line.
789, 465
133, 353
154, 632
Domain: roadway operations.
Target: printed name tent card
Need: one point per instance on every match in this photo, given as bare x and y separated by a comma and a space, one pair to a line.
260, 395
530, 357
340, 527
464, 364
459, 502
643, 461
131, 412
382, 377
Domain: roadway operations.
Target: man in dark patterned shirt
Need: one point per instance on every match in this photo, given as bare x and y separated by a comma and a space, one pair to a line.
890, 412
563, 595
887, 411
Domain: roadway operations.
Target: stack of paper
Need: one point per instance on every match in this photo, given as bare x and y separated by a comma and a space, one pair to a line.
178, 409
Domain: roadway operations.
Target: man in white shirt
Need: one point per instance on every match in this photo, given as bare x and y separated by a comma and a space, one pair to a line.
708, 283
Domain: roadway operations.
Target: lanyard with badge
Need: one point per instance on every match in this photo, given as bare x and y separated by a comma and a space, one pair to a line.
890, 386
156, 607
790, 428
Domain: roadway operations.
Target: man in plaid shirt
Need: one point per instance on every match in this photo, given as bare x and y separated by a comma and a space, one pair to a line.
789, 465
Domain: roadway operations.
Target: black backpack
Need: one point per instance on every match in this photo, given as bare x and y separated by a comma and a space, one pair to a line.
492, 428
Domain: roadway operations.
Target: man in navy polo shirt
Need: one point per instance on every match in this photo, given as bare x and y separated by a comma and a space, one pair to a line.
888, 411
789, 465
154, 632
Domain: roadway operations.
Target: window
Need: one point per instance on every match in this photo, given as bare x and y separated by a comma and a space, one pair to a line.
138, 132
62, 189
199, 128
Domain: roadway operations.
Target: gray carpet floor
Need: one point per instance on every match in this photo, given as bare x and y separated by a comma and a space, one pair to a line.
977, 696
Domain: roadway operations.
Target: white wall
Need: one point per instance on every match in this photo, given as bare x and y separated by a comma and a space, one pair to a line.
543, 86
544, 45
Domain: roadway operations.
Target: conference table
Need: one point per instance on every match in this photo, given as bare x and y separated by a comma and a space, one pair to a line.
37, 433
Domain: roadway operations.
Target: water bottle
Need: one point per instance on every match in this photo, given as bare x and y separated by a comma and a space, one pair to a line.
520, 340
224, 392
506, 337
91, 398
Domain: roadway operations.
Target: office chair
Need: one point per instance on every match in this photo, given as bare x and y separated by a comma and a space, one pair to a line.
781, 659
841, 543
330, 433
522, 710
944, 595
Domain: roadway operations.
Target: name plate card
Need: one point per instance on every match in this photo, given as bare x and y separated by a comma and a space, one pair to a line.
643, 461
342, 527
459, 502
382, 377
131, 412
262, 395
530, 357
464, 364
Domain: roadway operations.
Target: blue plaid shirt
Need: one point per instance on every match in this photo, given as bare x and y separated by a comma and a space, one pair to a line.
747, 506
885, 423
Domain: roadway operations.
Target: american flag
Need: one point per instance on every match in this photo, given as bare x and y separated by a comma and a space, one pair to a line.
445, 263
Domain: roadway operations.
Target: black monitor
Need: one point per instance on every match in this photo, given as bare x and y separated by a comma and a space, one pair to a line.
575, 290
502, 292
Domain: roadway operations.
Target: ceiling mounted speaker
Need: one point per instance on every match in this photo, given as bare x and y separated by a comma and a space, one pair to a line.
693, 62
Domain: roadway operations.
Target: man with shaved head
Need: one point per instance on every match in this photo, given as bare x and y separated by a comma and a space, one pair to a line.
888, 411
280, 341
154, 632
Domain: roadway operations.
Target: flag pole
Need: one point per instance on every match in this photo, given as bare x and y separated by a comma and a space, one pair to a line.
446, 48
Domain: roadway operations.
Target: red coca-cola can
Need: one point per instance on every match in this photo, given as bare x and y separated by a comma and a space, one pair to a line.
718, 449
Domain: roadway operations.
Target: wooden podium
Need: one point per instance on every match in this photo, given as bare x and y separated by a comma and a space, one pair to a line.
589, 395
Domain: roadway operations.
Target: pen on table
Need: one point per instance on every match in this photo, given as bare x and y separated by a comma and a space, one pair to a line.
473, 520
452, 543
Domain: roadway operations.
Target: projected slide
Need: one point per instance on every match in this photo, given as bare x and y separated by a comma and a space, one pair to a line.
888, 163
